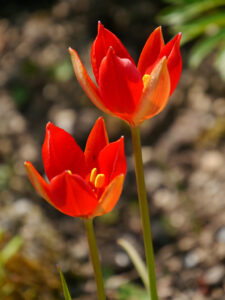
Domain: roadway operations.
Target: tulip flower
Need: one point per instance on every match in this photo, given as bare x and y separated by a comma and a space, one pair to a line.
81, 184
132, 93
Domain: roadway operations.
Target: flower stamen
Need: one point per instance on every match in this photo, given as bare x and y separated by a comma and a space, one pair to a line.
93, 175
145, 80
99, 181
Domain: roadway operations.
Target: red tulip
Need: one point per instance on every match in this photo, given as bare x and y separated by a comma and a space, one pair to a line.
81, 184
130, 92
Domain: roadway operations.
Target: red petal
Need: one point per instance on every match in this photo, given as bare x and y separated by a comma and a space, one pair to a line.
104, 40
40, 185
174, 60
96, 141
151, 51
155, 95
85, 81
72, 195
112, 160
60, 152
120, 84
110, 196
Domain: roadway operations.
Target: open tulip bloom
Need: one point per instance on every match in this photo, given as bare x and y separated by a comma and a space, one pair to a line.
132, 93
81, 184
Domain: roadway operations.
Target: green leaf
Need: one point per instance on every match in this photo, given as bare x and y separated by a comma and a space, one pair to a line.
200, 26
180, 13
220, 63
64, 285
204, 47
10, 249
132, 292
180, 2
137, 261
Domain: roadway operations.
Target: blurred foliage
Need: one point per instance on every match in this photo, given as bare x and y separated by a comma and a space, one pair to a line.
200, 20
23, 278
5, 175
63, 71
136, 260
131, 291
6, 253
64, 286
20, 94
213, 135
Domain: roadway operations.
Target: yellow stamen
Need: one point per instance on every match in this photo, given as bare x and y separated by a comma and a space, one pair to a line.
69, 172
145, 79
99, 181
93, 175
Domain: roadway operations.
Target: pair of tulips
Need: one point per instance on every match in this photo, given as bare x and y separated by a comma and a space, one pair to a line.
88, 184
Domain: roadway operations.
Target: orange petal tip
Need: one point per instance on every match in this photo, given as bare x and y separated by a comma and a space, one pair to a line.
110, 196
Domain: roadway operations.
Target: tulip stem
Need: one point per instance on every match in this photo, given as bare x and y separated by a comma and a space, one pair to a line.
143, 204
88, 223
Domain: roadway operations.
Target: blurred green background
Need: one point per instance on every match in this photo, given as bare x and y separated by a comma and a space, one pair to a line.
183, 150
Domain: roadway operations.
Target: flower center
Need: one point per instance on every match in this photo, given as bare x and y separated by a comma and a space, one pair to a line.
98, 180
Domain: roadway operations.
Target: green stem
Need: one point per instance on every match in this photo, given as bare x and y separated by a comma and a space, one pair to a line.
88, 223
143, 204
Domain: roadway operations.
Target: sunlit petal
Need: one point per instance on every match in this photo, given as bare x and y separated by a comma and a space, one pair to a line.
85, 81
60, 152
120, 83
155, 95
38, 182
151, 51
104, 40
72, 195
112, 160
110, 196
96, 141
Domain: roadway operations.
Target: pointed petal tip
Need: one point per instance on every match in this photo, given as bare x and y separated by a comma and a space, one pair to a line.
179, 36
110, 196
71, 50
50, 126
164, 60
159, 28
26, 163
100, 27
110, 51
101, 121
73, 53
100, 118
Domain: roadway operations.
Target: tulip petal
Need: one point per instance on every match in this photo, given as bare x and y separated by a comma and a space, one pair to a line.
60, 152
112, 160
96, 141
155, 95
151, 51
104, 40
72, 195
120, 84
110, 196
174, 60
38, 182
85, 81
